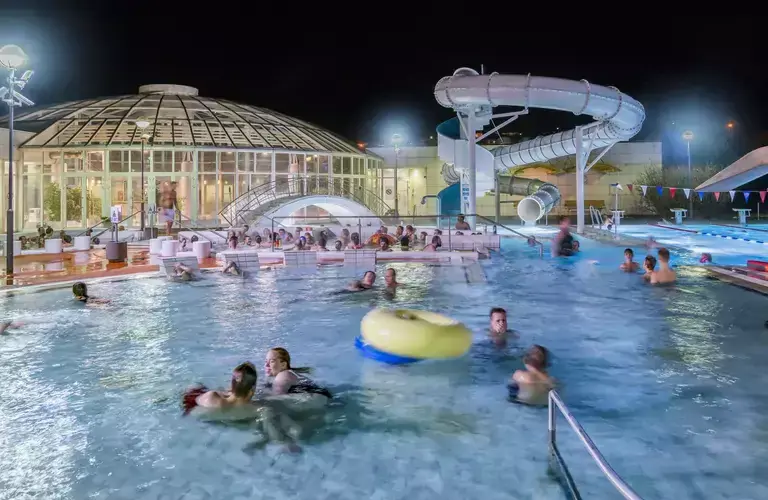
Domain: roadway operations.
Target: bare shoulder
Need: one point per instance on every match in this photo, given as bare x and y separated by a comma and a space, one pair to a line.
210, 399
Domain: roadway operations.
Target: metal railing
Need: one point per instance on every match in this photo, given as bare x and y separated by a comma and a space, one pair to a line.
554, 402
287, 188
596, 216
527, 237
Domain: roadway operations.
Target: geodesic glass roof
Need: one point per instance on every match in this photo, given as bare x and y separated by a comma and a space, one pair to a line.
178, 117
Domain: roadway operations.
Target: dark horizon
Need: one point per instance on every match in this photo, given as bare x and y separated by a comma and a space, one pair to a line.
701, 76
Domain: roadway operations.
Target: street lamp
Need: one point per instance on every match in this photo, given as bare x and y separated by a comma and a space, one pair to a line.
688, 137
12, 58
142, 125
396, 140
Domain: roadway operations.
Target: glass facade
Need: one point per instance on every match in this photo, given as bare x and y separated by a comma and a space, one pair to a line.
85, 156
75, 189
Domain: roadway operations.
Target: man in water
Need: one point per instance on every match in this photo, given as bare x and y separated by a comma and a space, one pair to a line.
168, 206
532, 384
461, 224
499, 330
562, 244
665, 274
390, 278
629, 265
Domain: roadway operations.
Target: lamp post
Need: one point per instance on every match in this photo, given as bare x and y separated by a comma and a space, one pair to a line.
396, 140
12, 58
688, 137
142, 125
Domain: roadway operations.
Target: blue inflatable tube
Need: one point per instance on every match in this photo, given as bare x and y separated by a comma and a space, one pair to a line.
371, 352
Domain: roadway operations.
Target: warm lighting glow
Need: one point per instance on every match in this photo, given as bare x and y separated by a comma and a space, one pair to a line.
415, 174
688, 135
729, 124
12, 57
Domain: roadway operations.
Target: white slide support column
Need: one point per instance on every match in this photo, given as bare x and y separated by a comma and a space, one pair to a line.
582, 154
472, 169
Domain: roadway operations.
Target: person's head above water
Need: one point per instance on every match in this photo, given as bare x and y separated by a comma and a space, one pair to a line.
278, 360
498, 320
338, 245
390, 276
437, 241
383, 244
564, 222
628, 254
663, 255
355, 238
244, 378
369, 278
536, 358
649, 262
79, 289
705, 257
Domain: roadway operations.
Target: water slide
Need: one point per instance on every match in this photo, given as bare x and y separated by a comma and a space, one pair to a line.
618, 118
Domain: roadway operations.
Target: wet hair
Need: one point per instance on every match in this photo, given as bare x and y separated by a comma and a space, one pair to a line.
79, 289
355, 238
338, 245
194, 238
437, 241
409, 228
321, 243
650, 261
373, 273
537, 357
282, 355
628, 251
244, 378
345, 232
563, 218
663, 255
257, 239
497, 310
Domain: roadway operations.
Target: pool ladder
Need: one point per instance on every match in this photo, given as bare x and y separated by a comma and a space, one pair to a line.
555, 403
596, 216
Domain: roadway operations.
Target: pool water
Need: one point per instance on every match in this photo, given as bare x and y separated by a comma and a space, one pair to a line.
665, 380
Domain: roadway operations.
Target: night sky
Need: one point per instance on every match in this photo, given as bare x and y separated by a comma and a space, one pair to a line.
349, 74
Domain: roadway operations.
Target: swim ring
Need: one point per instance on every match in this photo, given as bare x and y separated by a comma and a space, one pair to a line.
415, 334
374, 240
371, 352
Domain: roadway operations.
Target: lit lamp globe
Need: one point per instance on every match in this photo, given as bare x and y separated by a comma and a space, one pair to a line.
12, 57
688, 135
142, 124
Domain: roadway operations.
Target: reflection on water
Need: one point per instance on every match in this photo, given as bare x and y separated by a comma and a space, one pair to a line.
665, 380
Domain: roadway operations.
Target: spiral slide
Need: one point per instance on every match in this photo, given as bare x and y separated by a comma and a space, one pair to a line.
618, 118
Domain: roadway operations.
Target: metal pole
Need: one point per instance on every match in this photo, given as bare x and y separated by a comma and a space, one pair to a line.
142, 188
690, 182
472, 170
9, 213
582, 154
397, 211
552, 426
498, 196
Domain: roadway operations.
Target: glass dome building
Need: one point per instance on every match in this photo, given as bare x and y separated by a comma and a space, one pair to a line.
79, 158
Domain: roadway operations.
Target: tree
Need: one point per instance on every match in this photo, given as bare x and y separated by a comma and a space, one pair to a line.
74, 207
707, 208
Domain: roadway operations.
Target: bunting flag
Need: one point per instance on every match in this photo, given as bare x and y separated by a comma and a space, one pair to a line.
644, 189
717, 196
687, 193
629, 186
733, 194
659, 190
701, 195
746, 195
672, 192
762, 196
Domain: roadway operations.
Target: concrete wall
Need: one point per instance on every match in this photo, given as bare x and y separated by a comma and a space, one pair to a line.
419, 171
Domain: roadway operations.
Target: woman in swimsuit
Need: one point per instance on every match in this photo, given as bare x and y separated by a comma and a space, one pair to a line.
285, 380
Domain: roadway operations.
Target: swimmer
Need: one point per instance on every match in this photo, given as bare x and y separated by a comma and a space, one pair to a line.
183, 272
233, 269
338, 246
629, 265
532, 385
287, 380
499, 329
80, 291
384, 245
390, 278
649, 266
531, 241
8, 325
354, 243
369, 278
706, 258
562, 244
432, 247
665, 274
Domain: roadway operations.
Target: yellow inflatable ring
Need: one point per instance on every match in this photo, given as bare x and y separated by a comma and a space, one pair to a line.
415, 334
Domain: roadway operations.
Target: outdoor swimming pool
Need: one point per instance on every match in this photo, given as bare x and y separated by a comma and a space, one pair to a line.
664, 380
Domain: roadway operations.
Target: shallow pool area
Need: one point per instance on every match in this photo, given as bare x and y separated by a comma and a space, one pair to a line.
665, 381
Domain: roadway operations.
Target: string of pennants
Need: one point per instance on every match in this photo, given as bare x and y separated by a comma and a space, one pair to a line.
673, 190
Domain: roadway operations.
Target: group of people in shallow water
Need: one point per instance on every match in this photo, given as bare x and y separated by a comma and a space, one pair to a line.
565, 245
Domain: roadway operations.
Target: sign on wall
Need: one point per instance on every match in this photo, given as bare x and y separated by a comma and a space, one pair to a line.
465, 192
116, 214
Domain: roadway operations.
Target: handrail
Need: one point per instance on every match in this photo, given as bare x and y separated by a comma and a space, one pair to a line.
621, 486
114, 224
192, 230
283, 188
527, 237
